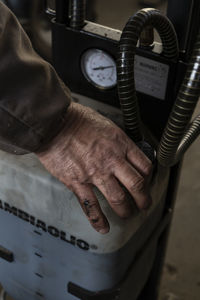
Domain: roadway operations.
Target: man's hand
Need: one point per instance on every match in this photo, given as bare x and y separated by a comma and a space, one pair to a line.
92, 151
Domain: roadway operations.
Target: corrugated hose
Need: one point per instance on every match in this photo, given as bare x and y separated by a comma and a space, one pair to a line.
178, 135
125, 62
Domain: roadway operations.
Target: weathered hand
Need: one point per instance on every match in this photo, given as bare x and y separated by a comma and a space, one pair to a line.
91, 150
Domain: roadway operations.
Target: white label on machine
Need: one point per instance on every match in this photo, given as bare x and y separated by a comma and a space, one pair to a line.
151, 77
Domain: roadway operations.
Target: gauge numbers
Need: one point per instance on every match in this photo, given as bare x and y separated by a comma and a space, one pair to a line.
99, 68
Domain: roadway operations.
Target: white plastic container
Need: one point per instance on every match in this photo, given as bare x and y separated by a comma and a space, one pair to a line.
52, 242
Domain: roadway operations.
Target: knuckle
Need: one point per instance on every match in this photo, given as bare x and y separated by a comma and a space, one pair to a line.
119, 200
89, 203
119, 161
96, 220
91, 171
100, 180
99, 223
148, 168
138, 185
90, 208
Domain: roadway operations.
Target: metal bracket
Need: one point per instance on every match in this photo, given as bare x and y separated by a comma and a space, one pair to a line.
83, 294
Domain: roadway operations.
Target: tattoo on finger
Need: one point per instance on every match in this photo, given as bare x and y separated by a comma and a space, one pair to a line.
87, 207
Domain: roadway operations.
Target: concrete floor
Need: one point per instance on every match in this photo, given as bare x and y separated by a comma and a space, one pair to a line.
181, 274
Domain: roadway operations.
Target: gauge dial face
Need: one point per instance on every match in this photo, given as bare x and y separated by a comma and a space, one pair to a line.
99, 68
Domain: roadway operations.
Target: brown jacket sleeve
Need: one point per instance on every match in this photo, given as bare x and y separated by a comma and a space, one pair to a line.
33, 100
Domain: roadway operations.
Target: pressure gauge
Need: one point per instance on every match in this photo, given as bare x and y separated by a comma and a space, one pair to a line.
99, 68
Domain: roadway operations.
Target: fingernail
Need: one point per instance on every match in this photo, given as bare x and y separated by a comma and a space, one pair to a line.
103, 231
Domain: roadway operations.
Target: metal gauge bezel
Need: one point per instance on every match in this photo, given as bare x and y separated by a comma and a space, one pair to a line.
88, 77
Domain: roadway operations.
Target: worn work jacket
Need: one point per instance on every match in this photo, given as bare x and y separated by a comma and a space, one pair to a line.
33, 100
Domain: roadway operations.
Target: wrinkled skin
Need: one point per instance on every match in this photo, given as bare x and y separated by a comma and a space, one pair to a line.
91, 150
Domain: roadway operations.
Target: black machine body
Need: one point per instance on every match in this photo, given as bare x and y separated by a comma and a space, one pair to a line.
155, 75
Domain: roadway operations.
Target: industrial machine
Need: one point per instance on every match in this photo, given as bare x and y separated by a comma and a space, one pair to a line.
48, 249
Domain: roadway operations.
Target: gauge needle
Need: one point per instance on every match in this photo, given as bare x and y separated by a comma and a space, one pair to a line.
102, 68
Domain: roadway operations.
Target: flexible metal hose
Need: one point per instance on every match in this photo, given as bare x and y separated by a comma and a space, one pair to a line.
188, 138
78, 8
125, 62
176, 139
